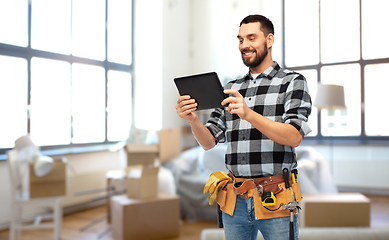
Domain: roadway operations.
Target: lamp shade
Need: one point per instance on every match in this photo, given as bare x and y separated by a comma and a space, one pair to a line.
43, 165
23, 142
26, 148
329, 97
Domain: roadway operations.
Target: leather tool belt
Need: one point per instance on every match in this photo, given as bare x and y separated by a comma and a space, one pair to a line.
271, 183
247, 188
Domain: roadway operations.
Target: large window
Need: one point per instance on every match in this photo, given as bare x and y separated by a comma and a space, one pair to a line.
65, 71
342, 42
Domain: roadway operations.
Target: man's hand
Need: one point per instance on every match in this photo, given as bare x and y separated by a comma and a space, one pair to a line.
186, 108
237, 105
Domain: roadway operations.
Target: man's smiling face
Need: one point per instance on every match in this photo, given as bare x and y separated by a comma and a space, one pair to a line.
252, 44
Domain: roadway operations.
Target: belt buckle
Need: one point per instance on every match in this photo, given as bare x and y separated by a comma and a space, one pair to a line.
259, 188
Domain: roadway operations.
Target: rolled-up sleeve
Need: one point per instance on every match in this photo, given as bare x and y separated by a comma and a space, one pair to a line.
216, 124
298, 105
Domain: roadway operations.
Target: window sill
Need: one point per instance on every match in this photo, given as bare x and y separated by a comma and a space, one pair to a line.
112, 147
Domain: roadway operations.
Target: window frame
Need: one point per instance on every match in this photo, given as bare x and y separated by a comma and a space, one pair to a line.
362, 139
28, 53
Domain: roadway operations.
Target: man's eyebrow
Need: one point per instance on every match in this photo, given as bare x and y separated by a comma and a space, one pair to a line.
248, 35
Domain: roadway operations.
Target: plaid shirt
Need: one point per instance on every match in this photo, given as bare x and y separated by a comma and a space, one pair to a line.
279, 95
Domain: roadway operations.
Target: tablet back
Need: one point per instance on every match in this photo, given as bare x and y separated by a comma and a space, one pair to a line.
205, 88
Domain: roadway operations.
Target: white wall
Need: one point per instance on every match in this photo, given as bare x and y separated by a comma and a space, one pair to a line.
148, 67
176, 59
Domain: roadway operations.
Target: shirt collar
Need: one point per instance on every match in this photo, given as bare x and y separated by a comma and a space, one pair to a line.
269, 73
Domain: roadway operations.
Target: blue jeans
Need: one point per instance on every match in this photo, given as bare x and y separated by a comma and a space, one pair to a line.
242, 225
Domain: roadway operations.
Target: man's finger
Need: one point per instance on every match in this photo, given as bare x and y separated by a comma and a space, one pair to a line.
233, 91
227, 100
182, 98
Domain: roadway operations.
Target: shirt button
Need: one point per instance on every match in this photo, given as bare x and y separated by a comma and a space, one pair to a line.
249, 99
255, 82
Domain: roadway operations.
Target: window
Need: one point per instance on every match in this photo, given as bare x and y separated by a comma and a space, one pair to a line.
341, 42
65, 79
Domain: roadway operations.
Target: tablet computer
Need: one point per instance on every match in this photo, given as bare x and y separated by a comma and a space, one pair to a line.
205, 88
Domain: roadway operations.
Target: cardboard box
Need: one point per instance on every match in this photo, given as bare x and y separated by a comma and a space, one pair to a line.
152, 218
335, 210
169, 144
144, 154
53, 184
142, 181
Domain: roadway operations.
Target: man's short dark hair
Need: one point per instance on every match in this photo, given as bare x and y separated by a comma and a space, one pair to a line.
266, 25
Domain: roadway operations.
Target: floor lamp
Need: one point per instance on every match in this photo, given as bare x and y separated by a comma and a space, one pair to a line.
330, 97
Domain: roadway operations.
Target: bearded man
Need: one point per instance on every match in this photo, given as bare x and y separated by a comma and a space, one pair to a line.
265, 119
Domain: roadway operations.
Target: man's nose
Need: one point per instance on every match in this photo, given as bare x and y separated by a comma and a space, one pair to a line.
245, 44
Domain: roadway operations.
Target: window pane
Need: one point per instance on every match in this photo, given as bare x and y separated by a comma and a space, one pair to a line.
374, 37
88, 29
13, 100
50, 102
376, 88
339, 30
50, 25
343, 122
88, 103
301, 32
311, 77
119, 105
119, 37
13, 22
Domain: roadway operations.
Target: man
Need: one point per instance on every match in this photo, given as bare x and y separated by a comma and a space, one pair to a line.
265, 120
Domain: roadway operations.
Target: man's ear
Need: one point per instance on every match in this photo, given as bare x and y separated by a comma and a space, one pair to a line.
270, 40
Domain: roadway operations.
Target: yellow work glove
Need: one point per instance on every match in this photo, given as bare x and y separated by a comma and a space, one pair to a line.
212, 196
214, 180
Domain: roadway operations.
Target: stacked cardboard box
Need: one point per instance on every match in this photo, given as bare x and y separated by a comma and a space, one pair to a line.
142, 181
169, 144
143, 212
144, 154
168, 147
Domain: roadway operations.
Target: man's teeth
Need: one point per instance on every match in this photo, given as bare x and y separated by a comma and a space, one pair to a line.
248, 53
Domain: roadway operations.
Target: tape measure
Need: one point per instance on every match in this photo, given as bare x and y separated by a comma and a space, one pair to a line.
268, 199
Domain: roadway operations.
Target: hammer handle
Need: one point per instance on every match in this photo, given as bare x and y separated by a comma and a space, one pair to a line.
285, 173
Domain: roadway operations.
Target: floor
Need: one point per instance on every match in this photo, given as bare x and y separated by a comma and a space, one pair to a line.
77, 226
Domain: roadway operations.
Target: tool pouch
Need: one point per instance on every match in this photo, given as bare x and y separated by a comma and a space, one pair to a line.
284, 196
297, 193
226, 199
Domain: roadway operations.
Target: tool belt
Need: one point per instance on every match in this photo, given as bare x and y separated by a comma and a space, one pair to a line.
255, 188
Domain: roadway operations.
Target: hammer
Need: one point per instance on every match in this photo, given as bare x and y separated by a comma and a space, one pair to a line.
291, 206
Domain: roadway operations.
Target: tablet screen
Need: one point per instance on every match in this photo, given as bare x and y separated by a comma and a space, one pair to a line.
205, 88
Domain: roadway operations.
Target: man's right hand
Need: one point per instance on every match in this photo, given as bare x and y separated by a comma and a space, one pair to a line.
186, 108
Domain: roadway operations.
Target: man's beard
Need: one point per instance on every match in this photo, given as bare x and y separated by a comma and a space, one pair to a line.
257, 60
